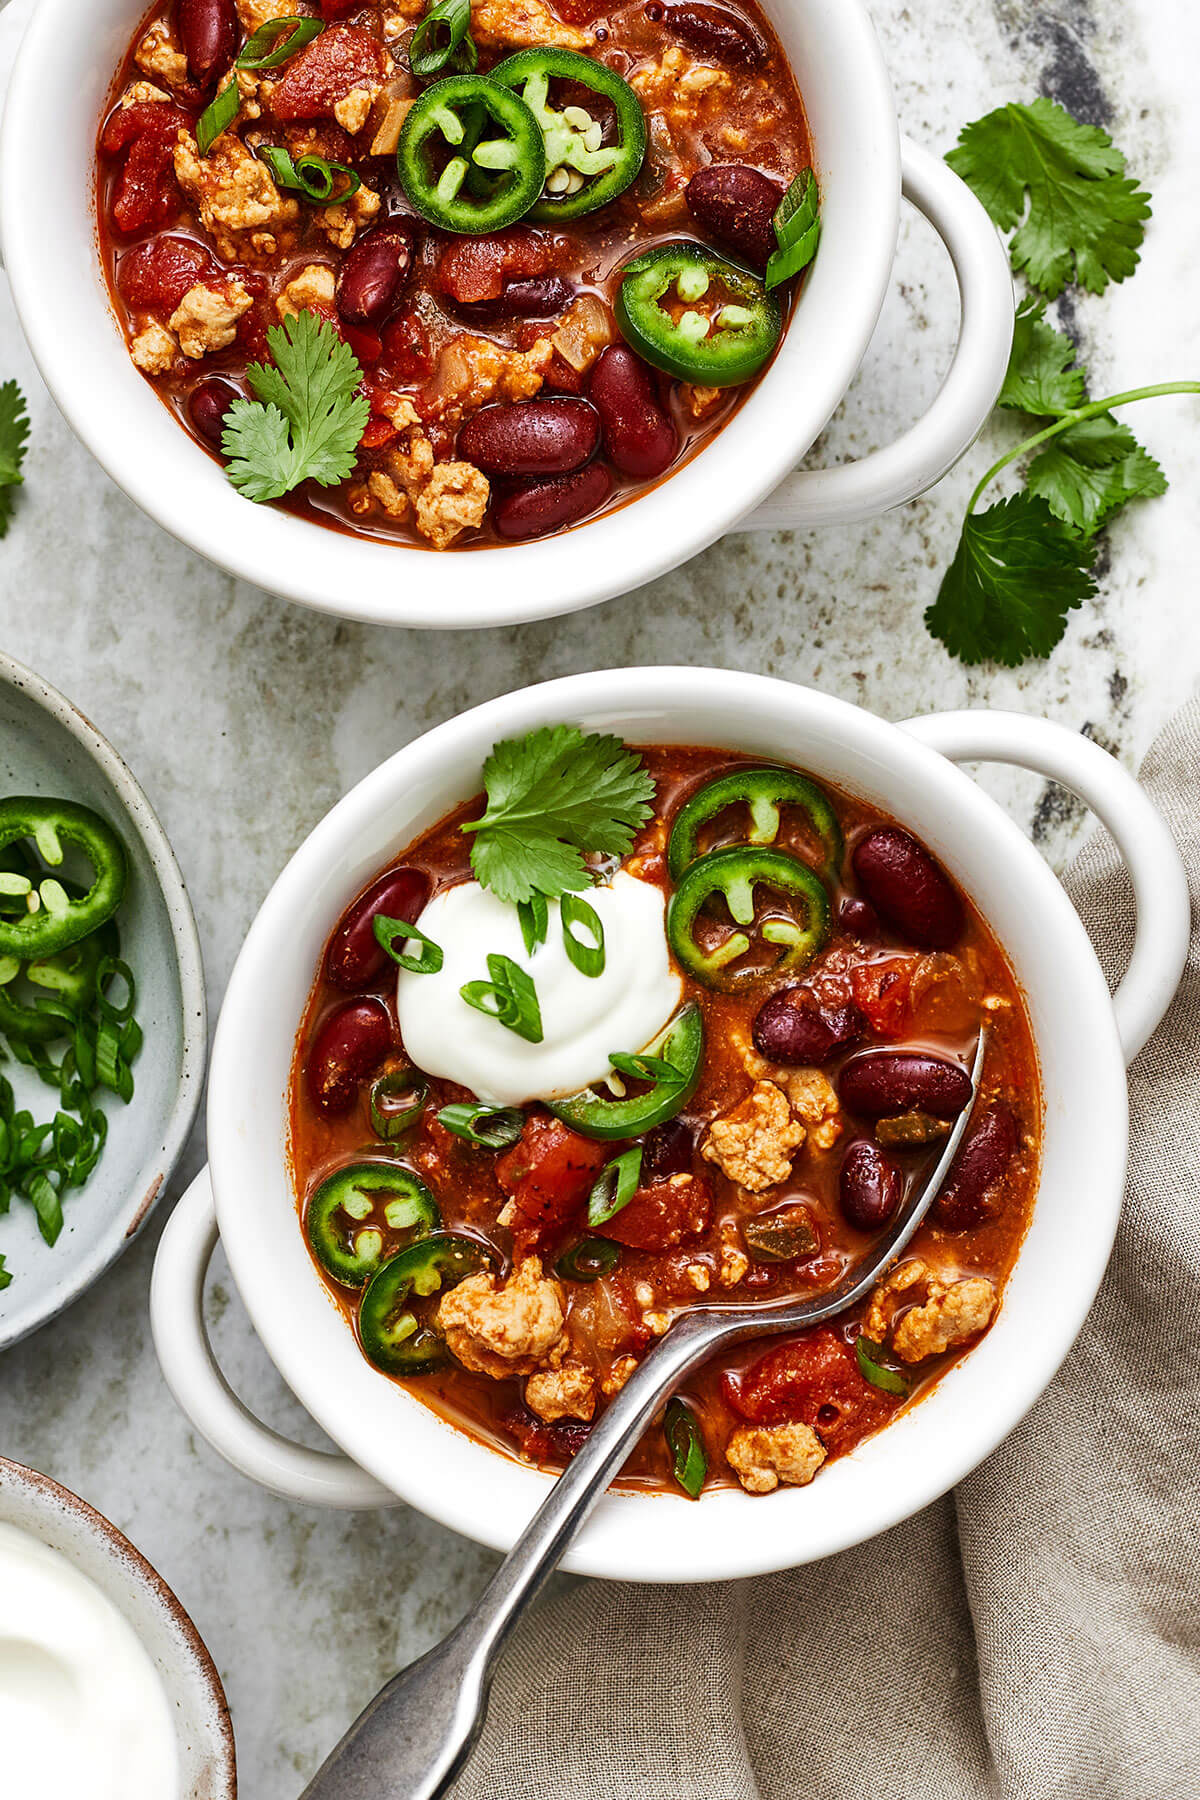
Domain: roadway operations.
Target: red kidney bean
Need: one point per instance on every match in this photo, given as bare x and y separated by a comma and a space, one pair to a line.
537, 298
736, 204
907, 888
640, 437
881, 1083
355, 955
858, 919
714, 32
969, 1196
542, 506
667, 1151
792, 1026
531, 437
371, 279
208, 32
350, 1043
207, 405
870, 1186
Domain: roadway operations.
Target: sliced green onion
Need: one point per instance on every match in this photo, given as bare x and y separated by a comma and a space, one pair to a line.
587, 1260
874, 1370
312, 176
273, 43
390, 932
40, 1190
217, 117
797, 230
488, 1127
534, 915
442, 40
689, 1460
641, 1067
588, 958
615, 1186
397, 1102
509, 997
107, 968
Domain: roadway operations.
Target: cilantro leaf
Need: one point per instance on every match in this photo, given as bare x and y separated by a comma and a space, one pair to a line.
552, 795
1016, 574
1084, 219
5, 1276
1039, 378
14, 433
307, 420
1094, 467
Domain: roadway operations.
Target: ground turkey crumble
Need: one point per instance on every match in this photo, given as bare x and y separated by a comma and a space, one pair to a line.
506, 1329
764, 1456
207, 317
754, 1144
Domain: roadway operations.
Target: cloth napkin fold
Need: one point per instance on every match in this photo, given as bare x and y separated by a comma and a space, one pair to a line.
1034, 1635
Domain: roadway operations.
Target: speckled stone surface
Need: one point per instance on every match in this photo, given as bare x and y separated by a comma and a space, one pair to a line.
245, 718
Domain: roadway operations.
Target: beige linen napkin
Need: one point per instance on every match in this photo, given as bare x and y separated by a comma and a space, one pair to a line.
1035, 1634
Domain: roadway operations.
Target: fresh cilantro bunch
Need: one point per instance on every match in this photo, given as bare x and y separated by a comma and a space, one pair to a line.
1023, 563
308, 419
14, 433
551, 796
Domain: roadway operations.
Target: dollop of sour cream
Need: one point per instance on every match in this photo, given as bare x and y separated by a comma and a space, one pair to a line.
83, 1710
584, 1017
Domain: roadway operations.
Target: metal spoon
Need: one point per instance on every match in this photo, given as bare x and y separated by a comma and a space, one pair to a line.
415, 1736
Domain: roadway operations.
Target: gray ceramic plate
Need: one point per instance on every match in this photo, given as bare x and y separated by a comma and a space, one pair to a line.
48, 747
60, 1519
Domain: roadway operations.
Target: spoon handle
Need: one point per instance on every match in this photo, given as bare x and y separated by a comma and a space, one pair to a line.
414, 1737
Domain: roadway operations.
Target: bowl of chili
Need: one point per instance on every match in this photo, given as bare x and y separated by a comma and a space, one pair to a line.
393, 1445
69, 792
740, 476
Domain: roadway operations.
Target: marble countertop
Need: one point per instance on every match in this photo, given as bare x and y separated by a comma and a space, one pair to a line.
245, 718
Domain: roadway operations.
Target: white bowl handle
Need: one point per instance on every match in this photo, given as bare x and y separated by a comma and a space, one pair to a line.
889, 477
316, 1477
1148, 850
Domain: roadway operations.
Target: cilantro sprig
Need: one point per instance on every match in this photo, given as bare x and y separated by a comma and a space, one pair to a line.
307, 420
14, 436
551, 796
1025, 562
1061, 187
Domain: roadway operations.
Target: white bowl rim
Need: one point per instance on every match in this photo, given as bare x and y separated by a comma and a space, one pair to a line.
147, 1189
619, 1543
356, 578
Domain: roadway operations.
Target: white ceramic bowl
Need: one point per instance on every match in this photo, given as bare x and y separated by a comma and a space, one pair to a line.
55, 101
48, 747
397, 1446
63, 1522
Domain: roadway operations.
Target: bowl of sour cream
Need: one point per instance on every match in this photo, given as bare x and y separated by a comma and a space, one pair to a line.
106, 1689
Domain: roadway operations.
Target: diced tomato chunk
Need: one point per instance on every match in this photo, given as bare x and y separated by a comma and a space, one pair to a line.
342, 58
881, 993
472, 269
159, 272
662, 1214
545, 1443
407, 351
366, 345
814, 1380
145, 135
549, 1174
378, 432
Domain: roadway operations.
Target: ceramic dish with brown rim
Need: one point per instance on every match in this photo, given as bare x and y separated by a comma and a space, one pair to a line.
95, 1564
49, 750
